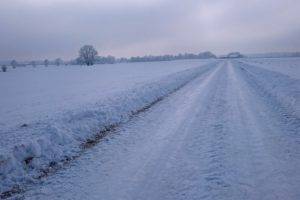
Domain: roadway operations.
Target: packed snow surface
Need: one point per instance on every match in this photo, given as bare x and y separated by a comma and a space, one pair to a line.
230, 132
47, 113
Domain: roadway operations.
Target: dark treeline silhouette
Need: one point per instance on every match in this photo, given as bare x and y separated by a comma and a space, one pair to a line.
150, 58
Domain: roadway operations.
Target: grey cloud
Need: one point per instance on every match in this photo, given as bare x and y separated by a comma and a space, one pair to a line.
51, 28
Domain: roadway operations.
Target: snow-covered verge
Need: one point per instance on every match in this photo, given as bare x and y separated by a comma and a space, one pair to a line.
287, 66
284, 89
51, 141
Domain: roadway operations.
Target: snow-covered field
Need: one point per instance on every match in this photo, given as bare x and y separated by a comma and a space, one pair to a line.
287, 66
47, 113
226, 129
30, 94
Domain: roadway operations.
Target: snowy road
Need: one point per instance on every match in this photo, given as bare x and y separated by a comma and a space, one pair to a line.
219, 137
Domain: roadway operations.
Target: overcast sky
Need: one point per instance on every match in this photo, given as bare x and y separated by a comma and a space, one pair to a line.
39, 29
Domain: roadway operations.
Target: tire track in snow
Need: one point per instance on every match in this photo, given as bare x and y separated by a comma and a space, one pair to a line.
274, 152
202, 159
240, 151
157, 179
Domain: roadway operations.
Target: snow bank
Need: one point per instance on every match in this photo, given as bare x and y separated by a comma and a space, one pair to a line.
57, 140
283, 88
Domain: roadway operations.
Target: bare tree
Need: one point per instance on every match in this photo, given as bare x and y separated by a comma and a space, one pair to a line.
58, 61
14, 63
4, 68
46, 62
87, 54
33, 63
79, 61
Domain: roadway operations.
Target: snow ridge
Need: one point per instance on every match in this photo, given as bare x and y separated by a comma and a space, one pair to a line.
58, 140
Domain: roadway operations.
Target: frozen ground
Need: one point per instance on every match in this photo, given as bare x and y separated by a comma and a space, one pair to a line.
232, 132
48, 113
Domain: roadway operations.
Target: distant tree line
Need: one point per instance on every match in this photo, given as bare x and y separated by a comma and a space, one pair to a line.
34, 63
204, 55
88, 55
80, 60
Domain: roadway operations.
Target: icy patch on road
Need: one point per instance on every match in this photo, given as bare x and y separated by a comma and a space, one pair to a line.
56, 140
